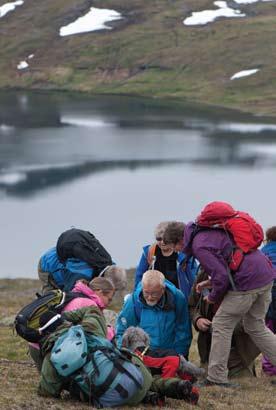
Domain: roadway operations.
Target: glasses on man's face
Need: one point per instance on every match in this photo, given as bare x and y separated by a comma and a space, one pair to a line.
159, 238
155, 294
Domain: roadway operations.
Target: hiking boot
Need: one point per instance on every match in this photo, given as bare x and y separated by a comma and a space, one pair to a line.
194, 396
207, 383
154, 399
187, 392
183, 389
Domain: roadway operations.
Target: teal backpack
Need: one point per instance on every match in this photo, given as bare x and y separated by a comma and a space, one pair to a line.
104, 374
70, 351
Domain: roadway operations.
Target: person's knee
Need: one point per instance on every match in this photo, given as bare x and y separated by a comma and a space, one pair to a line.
42, 275
254, 326
221, 325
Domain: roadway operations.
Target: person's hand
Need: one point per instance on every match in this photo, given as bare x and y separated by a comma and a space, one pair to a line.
205, 284
203, 324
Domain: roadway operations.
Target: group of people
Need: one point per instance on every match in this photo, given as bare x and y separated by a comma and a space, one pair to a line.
182, 280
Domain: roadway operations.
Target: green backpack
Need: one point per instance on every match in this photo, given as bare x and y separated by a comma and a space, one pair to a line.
26, 322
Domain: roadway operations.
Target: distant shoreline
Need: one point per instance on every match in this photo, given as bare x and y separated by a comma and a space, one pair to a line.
168, 99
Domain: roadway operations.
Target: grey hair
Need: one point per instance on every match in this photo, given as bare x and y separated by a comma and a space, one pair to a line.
102, 283
160, 229
117, 276
153, 277
135, 337
174, 232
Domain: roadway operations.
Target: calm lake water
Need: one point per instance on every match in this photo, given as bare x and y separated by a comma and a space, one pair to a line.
118, 166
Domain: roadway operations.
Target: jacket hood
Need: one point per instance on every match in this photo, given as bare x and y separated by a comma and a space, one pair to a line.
188, 237
82, 288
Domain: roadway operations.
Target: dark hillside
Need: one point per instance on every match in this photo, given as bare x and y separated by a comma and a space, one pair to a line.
149, 52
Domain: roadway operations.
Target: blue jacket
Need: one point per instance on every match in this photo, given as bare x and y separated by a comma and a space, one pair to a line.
168, 324
270, 251
65, 275
185, 277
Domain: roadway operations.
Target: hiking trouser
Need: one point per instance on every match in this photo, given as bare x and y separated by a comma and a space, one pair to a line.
175, 388
51, 383
250, 306
166, 387
36, 355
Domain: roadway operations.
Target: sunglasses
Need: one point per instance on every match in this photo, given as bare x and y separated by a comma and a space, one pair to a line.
159, 238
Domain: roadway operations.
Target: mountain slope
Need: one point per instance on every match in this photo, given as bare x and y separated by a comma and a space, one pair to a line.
149, 52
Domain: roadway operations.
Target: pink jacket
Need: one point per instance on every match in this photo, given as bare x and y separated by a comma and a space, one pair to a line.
92, 300
78, 303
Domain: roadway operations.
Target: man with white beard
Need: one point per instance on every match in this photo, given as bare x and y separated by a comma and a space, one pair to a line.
161, 310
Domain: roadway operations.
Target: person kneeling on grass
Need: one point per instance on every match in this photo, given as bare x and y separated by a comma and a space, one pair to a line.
98, 292
173, 374
120, 387
161, 310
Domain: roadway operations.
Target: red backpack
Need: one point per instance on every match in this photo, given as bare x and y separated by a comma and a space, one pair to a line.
246, 233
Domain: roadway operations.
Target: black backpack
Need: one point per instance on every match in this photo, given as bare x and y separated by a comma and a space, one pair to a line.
79, 244
26, 322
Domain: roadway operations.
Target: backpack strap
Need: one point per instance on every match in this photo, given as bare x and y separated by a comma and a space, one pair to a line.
231, 279
137, 308
102, 272
99, 390
121, 368
151, 257
196, 230
68, 297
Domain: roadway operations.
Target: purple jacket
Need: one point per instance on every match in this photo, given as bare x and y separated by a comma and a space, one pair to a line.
213, 248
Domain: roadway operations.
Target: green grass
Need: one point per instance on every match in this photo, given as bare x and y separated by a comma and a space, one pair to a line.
19, 377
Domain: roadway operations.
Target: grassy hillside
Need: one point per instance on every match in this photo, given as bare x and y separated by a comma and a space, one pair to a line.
149, 52
19, 377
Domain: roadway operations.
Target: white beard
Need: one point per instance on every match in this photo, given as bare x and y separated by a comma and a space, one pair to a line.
151, 303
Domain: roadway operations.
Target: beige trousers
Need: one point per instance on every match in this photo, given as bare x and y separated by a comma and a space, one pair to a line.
250, 306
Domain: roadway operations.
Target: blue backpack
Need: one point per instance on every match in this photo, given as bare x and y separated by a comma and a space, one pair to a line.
65, 274
106, 376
